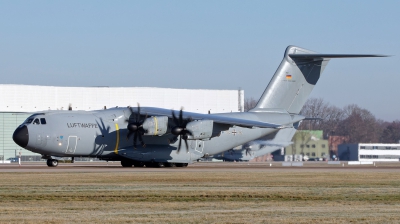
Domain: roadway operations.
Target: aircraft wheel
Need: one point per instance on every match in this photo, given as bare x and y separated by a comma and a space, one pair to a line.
149, 164
52, 162
138, 164
125, 163
181, 164
160, 165
170, 164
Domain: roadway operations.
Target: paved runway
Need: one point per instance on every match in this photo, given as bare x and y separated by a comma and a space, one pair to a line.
195, 167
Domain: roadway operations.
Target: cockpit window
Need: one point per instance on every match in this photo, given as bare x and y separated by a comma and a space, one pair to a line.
36, 121
28, 121
43, 120
34, 118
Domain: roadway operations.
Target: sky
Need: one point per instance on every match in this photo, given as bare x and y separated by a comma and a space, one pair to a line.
203, 45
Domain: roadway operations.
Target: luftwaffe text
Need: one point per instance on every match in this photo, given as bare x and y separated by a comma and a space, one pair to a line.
82, 125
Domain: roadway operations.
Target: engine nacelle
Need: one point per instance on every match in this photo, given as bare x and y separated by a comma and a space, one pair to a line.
200, 129
157, 125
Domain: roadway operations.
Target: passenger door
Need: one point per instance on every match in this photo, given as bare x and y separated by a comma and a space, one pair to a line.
72, 142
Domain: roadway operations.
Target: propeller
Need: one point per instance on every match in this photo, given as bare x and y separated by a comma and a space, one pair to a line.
135, 127
248, 151
180, 129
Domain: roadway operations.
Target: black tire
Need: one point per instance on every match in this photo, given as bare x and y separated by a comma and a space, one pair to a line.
170, 164
138, 164
149, 164
48, 162
160, 165
126, 163
54, 162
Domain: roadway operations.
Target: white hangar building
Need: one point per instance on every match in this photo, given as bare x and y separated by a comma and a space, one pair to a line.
369, 152
18, 101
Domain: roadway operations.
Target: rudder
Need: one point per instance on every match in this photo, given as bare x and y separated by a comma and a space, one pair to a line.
293, 81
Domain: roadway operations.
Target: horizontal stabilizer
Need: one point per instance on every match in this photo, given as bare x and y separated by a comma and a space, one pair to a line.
310, 56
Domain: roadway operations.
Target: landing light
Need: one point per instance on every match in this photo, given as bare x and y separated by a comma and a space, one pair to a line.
60, 143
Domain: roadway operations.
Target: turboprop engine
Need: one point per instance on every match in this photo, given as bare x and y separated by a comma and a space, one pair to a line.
157, 125
200, 129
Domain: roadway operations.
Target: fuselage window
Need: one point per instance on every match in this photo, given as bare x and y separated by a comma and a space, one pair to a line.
43, 120
36, 121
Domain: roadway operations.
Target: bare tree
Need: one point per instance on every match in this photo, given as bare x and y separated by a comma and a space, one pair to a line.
315, 108
330, 116
391, 132
353, 122
360, 125
249, 103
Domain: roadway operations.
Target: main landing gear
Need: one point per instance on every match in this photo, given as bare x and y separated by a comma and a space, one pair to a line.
52, 162
127, 163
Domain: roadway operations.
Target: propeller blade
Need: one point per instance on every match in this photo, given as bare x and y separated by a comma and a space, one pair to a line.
187, 147
180, 129
176, 121
135, 126
142, 121
134, 140
189, 132
141, 141
179, 147
187, 121
181, 117
130, 116
138, 113
248, 152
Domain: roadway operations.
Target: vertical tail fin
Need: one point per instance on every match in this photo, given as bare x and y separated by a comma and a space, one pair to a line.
293, 82
295, 78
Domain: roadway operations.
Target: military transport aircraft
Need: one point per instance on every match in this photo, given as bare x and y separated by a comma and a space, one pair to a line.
112, 134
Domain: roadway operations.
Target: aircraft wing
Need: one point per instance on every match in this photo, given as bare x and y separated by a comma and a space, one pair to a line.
153, 111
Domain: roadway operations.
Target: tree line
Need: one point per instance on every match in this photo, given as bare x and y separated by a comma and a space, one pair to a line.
357, 123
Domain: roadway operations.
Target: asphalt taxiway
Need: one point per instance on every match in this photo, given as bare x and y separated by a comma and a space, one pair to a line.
195, 167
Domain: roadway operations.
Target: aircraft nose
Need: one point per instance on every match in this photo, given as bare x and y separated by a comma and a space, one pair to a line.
21, 136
